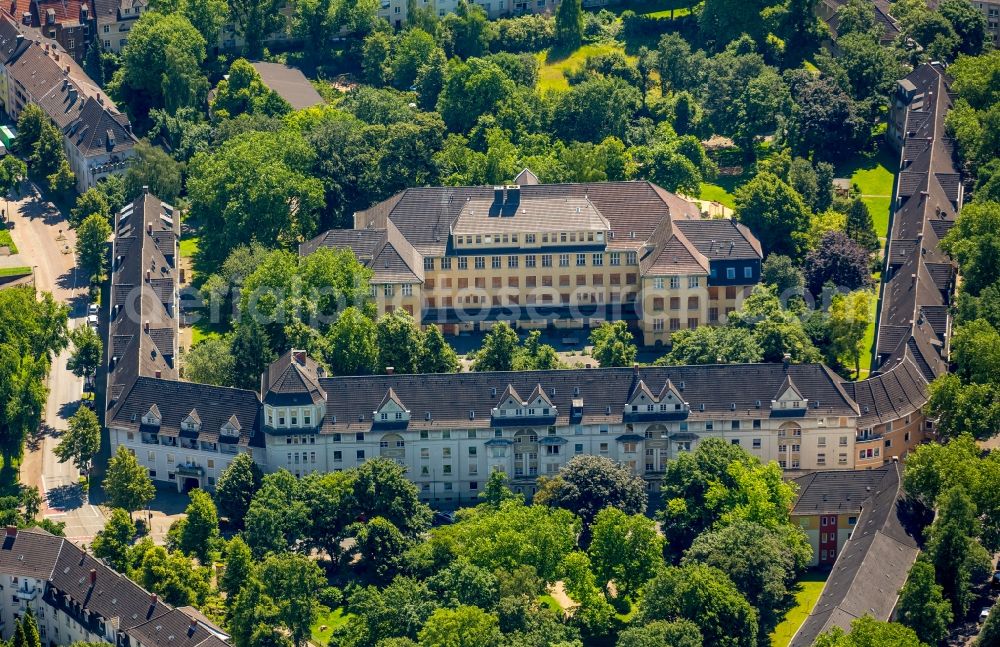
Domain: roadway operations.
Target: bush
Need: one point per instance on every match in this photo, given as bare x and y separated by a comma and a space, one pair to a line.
531, 33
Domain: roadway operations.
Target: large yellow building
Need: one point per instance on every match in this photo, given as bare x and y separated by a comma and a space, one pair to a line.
564, 255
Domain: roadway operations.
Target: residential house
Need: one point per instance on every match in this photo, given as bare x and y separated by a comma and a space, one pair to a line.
97, 138
75, 597
114, 19
878, 548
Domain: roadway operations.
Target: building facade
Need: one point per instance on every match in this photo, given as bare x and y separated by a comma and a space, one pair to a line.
561, 255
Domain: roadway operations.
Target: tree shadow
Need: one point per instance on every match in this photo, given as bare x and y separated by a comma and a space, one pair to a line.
66, 497
67, 410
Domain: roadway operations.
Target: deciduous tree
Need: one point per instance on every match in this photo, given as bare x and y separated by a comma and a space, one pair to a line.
81, 441
126, 482
922, 606
88, 351
705, 596
113, 542
775, 212
588, 484
613, 344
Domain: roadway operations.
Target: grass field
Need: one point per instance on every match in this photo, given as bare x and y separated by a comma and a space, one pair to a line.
329, 620
550, 70
15, 271
810, 586
7, 241
550, 602
869, 340
875, 177
189, 246
722, 189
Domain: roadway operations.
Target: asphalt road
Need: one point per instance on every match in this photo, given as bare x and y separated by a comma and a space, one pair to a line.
46, 242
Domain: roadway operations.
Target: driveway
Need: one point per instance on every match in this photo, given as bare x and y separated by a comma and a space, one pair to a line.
46, 242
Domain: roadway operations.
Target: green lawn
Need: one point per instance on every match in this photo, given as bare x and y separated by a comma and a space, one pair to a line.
874, 176
203, 330
810, 586
330, 620
189, 246
550, 70
722, 189
654, 8
7, 241
868, 350
15, 271
550, 602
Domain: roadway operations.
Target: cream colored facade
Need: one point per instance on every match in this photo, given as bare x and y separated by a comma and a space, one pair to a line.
565, 256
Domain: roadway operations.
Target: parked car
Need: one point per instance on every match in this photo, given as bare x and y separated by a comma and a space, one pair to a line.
92, 321
92, 309
995, 580
443, 518
984, 614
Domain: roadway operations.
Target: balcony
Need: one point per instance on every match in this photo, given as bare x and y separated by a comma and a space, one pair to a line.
25, 592
150, 439
187, 443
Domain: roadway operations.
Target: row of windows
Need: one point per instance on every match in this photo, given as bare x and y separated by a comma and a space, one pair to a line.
659, 283
530, 238
530, 281
532, 260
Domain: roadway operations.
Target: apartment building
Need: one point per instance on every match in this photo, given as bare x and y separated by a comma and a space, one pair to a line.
871, 541
182, 432
67, 22
562, 255
114, 19
97, 137
77, 598
992, 12
912, 339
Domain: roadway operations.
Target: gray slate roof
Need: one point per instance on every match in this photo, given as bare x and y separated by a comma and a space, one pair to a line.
135, 349
726, 391
289, 83
873, 565
96, 594
214, 407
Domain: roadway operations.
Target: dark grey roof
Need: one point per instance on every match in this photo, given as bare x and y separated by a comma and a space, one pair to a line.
292, 379
9, 43
96, 595
899, 391
836, 492
175, 400
919, 277
97, 131
426, 215
175, 628
146, 232
604, 394
289, 83
721, 238
873, 564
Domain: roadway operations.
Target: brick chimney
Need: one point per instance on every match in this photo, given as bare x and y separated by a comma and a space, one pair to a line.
299, 356
152, 599
389, 370
12, 531
93, 576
